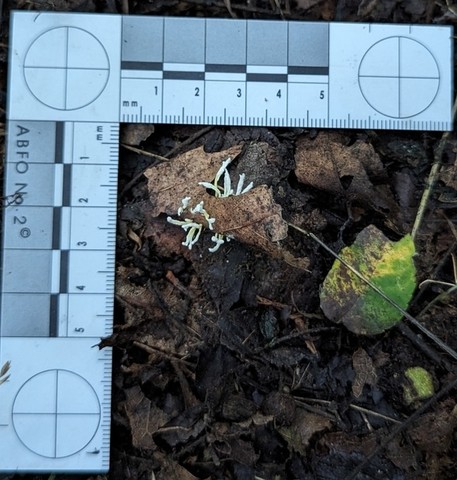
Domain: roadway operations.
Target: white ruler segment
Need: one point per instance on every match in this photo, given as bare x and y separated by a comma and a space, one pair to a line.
109, 68
72, 79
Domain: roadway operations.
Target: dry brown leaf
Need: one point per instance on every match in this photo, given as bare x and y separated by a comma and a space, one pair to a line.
170, 469
164, 238
326, 163
135, 133
170, 182
302, 429
253, 218
144, 418
365, 372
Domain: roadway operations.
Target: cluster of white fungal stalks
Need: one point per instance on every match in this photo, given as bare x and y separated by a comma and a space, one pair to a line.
194, 226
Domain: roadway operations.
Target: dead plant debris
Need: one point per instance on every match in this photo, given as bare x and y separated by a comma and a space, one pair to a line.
225, 367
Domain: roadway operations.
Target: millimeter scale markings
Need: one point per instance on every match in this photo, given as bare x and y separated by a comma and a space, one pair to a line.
73, 78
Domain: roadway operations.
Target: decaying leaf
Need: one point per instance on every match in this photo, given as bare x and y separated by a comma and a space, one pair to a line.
170, 469
346, 299
135, 133
304, 426
365, 372
253, 218
186, 426
144, 418
170, 182
376, 9
448, 176
307, 4
435, 431
328, 164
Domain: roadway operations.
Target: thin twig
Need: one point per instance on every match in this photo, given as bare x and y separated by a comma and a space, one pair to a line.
452, 7
188, 141
433, 177
312, 409
443, 296
453, 286
426, 348
228, 5
136, 178
140, 151
355, 407
435, 273
152, 350
366, 411
408, 316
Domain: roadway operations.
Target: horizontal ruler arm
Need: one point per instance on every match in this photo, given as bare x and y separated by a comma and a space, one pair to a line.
230, 72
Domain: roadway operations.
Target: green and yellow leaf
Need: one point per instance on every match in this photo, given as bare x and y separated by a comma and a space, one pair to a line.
346, 299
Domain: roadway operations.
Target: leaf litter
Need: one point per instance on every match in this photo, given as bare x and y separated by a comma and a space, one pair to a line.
253, 218
232, 417
354, 172
240, 449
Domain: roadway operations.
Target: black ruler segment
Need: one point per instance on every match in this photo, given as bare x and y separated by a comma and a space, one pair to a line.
170, 75
56, 227
64, 270
67, 191
59, 153
53, 316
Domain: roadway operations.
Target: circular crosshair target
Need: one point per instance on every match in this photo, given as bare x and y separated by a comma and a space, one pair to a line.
66, 68
399, 77
63, 407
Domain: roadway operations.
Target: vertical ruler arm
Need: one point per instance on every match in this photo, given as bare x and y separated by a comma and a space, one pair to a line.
57, 293
57, 280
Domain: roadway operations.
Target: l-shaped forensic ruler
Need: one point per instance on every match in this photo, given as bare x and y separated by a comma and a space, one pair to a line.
72, 79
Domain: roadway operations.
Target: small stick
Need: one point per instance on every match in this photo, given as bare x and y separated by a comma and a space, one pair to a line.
432, 178
140, 151
188, 141
366, 411
228, 5
136, 178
